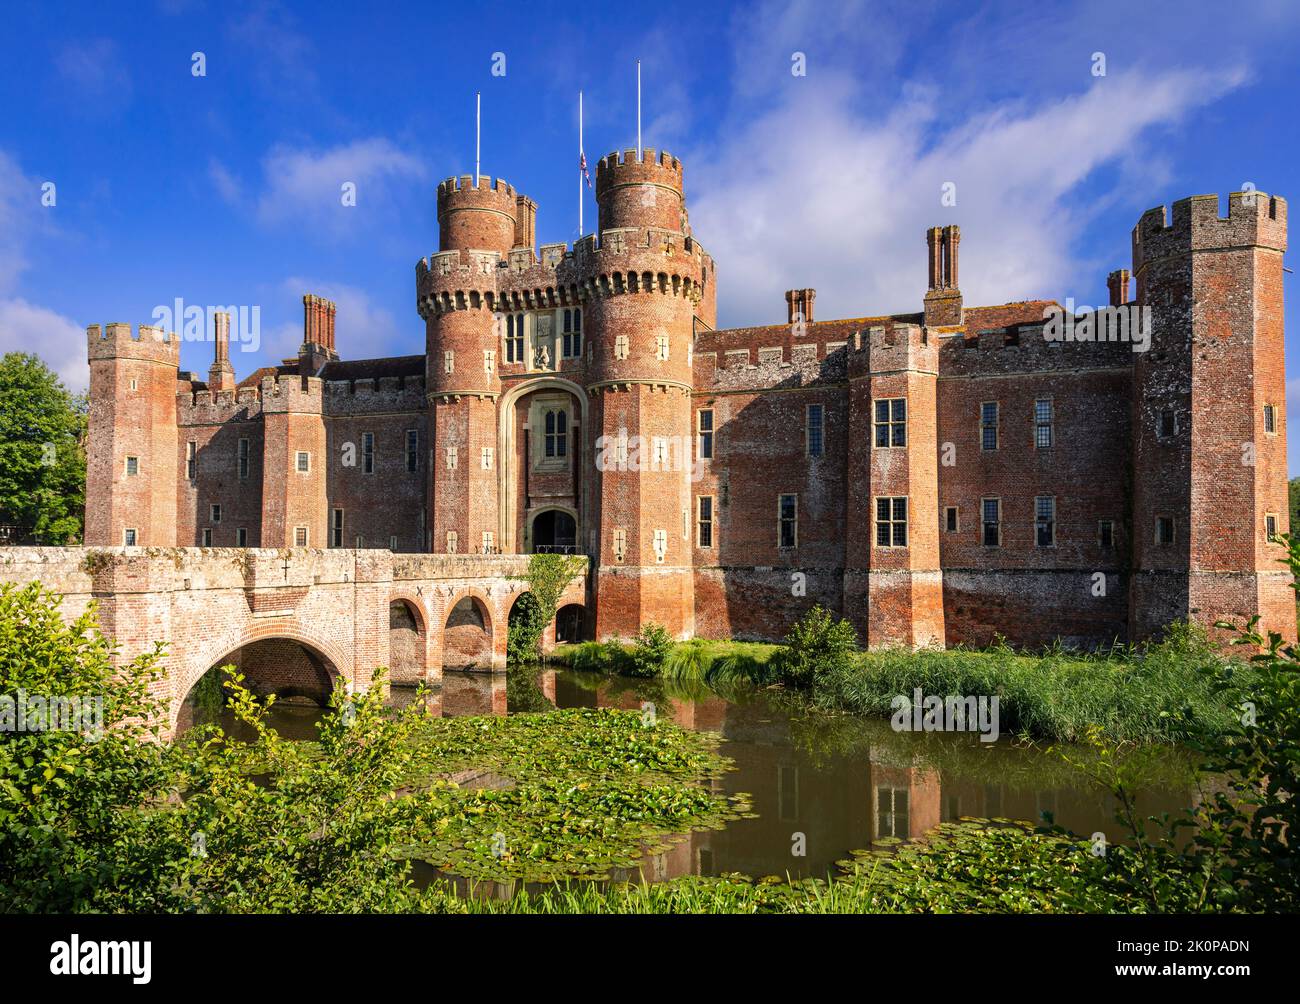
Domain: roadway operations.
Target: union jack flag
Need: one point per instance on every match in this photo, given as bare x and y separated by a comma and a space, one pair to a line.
582, 166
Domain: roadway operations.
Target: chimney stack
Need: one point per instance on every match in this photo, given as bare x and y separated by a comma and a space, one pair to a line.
222, 375
799, 305
525, 222
943, 299
1117, 283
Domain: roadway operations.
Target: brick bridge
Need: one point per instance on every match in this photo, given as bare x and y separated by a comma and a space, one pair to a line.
294, 620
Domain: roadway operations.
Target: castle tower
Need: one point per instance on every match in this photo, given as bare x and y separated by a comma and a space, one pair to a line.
893, 588
457, 297
294, 463
1209, 427
644, 287
131, 450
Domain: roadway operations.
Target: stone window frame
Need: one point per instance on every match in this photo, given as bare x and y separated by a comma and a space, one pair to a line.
129, 536
1039, 519
891, 425
512, 333
781, 521
808, 430
1270, 420
571, 333
242, 458
538, 408
367, 453
702, 521
952, 525
412, 450
985, 521
1047, 426
192, 460
337, 523
1270, 528
985, 426
1161, 434
298, 456
392, 542
305, 534
1160, 522
130, 466
703, 452
241, 536
1101, 534
207, 536
891, 522
214, 512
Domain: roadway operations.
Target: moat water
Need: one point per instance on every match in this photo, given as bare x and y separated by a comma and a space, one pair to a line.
844, 782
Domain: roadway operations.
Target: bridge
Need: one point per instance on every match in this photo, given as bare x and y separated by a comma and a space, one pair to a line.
294, 620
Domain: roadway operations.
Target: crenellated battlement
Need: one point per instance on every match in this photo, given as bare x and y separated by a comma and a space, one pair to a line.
1255, 219
623, 167
464, 184
118, 340
644, 192
207, 407
369, 395
292, 394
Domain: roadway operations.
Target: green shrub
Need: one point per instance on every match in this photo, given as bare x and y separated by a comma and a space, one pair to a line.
818, 645
650, 649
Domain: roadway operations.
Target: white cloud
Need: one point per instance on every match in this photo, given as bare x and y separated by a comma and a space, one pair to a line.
363, 329
815, 192
58, 340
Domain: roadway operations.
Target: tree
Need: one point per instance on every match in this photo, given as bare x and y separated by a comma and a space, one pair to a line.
42, 451
548, 576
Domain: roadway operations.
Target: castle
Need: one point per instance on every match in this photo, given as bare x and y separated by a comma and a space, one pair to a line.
937, 477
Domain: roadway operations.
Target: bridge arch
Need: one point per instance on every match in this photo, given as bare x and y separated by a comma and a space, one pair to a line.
408, 639
472, 632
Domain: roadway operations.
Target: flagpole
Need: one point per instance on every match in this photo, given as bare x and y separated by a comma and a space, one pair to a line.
478, 110
638, 110
582, 154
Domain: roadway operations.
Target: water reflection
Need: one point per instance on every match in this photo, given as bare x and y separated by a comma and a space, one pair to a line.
821, 785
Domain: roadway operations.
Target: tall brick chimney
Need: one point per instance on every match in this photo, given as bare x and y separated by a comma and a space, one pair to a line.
525, 222
799, 305
1117, 283
943, 299
222, 375
317, 334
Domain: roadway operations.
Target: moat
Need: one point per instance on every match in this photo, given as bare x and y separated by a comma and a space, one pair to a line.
842, 782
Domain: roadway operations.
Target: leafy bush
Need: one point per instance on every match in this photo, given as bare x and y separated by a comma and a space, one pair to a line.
819, 645
524, 630
650, 649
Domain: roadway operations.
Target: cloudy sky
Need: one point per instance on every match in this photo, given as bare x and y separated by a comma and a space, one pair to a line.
224, 188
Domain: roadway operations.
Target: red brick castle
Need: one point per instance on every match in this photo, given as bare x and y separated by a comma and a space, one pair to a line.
938, 477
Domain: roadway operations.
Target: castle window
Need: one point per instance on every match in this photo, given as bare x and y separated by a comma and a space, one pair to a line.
489, 542
453, 541
1168, 424
661, 546
487, 458
241, 537
557, 433
514, 338
704, 424
705, 507
989, 425
449, 361
214, 512
891, 422
1106, 534
303, 462
814, 429
991, 511
392, 543
1270, 419
620, 543
1043, 424
132, 466
191, 455
891, 521
134, 384
367, 453
299, 536
412, 449
1045, 520
787, 521
661, 347
336, 528
950, 520
620, 347
489, 360
359, 542
1270, 528
453, 454
243, 459
207, 536
128, 538
571, 344
1164, 530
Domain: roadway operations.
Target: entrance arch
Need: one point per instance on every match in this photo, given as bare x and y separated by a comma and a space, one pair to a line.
467, 635
553, 530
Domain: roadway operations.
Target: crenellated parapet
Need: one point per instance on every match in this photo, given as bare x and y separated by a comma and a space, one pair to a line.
117, 341
292, 394
1254, 219
641, 192
369, 396
207, 407
477, 214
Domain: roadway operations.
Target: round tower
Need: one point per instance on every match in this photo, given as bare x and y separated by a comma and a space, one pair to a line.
476, 217
641, 193
642, 288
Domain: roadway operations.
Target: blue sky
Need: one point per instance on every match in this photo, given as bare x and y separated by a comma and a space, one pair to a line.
225, 188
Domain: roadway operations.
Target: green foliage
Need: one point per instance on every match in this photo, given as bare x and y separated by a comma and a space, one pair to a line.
548, 576
42, 457
818, 646
524, 631
650, 648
